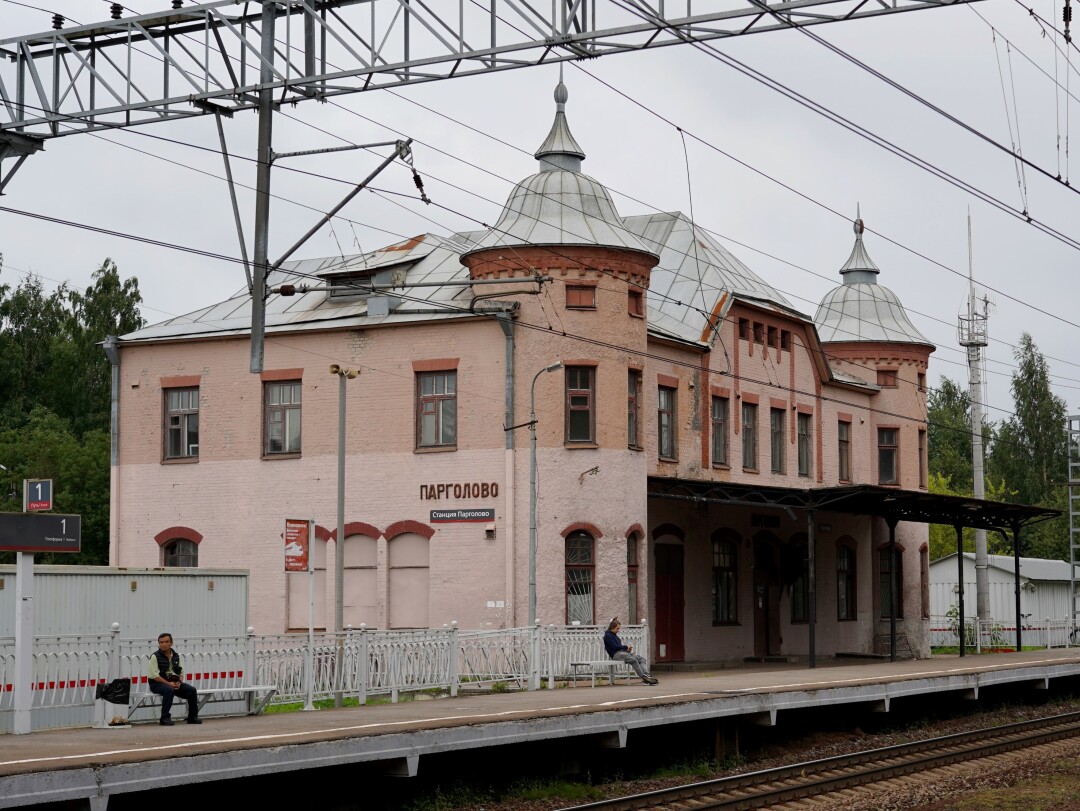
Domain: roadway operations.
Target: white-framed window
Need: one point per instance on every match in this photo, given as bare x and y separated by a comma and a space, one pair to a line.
436, 409
182, 423
282, 404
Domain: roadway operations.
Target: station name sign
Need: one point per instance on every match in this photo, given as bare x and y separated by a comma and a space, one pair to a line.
437, 492
456, 516
40, 532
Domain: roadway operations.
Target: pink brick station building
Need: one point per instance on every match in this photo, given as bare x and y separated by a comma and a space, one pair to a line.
698, 451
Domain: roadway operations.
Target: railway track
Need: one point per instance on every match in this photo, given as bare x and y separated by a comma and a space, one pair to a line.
818, 778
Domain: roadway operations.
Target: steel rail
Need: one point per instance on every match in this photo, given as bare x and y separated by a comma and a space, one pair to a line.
814, 778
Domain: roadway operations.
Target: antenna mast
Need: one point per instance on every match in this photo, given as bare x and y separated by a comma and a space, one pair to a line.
972, 335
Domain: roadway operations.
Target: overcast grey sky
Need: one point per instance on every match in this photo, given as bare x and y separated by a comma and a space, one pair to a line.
744, 144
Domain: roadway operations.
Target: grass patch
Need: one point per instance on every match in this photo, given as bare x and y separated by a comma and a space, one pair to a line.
698, 768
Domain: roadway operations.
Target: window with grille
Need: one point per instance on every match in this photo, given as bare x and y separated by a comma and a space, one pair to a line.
633, 541
580, 567
725, 591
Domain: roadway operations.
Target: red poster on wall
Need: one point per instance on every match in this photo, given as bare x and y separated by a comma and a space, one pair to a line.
296, 545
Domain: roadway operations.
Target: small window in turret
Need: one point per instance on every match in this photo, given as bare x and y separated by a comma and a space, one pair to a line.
887, 378
744, 329
774, 338
785, 340
759, 333
635, 303
580, 297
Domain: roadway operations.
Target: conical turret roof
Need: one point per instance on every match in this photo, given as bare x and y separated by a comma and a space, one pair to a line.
860, 309
559, 205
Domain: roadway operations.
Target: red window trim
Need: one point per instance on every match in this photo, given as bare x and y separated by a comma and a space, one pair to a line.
435, 365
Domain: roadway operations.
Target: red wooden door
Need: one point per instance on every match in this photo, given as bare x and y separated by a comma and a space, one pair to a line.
669, 603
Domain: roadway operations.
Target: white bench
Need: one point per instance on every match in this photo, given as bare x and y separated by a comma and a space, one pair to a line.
602, 666
261, 695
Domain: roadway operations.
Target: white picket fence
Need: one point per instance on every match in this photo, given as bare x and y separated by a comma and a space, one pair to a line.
992, 633
358, 664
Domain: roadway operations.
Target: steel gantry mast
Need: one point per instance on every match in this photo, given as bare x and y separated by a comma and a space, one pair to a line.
223, 56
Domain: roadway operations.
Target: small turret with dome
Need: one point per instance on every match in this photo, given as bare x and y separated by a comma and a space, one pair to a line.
861, 310
560, 206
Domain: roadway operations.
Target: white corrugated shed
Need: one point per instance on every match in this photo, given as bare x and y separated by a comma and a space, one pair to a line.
1044, 587
146, 602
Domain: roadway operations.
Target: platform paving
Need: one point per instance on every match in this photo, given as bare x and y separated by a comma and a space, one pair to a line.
93, 764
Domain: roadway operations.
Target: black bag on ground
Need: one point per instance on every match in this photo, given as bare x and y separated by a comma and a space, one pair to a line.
118, 691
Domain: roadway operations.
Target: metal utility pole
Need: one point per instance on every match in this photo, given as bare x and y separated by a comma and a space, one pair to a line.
1073, 428
972, 333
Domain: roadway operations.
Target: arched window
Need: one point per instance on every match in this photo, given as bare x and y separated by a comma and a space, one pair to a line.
632, 543
181, 552
725, 578
409, 585
580, 566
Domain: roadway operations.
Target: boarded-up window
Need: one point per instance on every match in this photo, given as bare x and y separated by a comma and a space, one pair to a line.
409, 581
361, 604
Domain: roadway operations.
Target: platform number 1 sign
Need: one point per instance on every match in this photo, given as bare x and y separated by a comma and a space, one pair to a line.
38, 494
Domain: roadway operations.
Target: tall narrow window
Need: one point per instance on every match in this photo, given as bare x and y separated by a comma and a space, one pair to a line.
283, 417
887, 450
436, 409
803, 426
725, 591
719, 430
776, 439
633, 408
749, 436
579, 578
922, 457
580, 405
181, 423
635, 303
845, 583
843, 437
632, 543
665, 421
886, 563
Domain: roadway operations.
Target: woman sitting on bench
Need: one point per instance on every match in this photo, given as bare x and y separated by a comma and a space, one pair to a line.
625, 653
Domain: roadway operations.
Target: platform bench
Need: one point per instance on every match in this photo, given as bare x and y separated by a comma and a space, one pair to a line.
611, 667
260, 693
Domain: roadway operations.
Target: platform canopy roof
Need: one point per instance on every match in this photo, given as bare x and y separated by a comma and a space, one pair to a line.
889, 503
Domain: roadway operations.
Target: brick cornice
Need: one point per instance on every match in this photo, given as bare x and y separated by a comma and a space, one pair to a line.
178, 533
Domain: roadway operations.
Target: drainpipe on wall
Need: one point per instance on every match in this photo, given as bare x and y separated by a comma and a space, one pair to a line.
505, 318
112, 352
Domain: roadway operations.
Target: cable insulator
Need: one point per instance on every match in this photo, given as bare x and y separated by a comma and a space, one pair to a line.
57, 22
420, 186
116, 10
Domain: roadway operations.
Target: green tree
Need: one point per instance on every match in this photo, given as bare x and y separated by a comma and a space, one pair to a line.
948, 435
78, 384
1029, 449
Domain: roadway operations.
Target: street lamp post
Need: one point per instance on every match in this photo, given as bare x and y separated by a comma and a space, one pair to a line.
339, 545
532, 489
